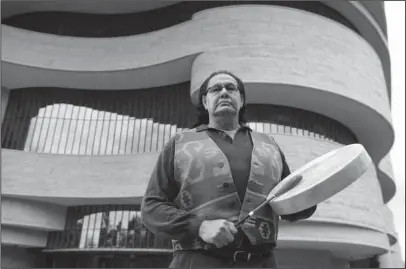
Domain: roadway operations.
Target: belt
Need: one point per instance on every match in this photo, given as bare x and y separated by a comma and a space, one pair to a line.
244, 256
238, 255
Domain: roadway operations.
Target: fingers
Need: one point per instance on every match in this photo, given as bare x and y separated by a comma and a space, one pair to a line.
222, 241
225, 235
228, 235
218, 232
218, 245
232, 228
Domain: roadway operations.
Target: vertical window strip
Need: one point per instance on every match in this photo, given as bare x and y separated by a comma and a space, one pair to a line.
114, 146
19, 119
69, 135
45, 127
99, 128
151, 134
63, 134
92, 144
53, 121
121, 140
84, 136
56, 137
24, 121
15, 119
147, 123
7, 122
33, 125
159, 135
83, 235
139, 121
104, 137
110, 132
79, 125
127, 138
133, 142
164, 115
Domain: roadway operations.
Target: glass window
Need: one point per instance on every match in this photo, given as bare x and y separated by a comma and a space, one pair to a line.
129, 122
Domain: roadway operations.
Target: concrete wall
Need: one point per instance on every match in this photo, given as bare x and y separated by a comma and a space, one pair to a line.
14, 257
76, 180
12, 8
299, 258
15, 236
367, 24
30, 214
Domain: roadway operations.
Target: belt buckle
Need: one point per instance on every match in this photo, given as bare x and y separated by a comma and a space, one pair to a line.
248, 257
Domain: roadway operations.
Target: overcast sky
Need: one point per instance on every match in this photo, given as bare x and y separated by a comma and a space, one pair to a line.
395, 16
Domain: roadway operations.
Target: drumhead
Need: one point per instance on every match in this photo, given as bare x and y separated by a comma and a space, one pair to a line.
323, 177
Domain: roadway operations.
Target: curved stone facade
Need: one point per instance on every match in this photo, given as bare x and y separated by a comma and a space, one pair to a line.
58, 20
34, 215
84, 118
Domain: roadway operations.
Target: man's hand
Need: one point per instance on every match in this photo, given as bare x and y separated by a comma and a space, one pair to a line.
218, 232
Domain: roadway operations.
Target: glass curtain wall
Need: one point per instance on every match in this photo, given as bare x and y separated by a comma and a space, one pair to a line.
83, 122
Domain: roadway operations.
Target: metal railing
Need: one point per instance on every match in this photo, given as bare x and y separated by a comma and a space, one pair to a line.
101, 239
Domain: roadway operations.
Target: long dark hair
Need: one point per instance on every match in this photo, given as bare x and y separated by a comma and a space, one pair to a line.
203, 115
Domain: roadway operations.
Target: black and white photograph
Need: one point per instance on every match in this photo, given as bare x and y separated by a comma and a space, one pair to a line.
202, 134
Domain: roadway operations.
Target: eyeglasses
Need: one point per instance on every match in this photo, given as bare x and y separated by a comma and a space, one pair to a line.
217, 88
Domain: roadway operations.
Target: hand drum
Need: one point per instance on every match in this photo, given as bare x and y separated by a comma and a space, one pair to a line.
322, 178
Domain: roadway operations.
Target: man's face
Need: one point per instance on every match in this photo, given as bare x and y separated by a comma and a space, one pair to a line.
223, 97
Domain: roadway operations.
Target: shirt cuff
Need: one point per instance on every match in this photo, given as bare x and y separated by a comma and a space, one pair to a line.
194, 226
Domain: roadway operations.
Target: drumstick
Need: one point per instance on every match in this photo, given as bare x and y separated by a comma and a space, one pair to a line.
285, 185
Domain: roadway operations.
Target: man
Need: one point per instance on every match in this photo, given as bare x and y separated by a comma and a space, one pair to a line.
208, 178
